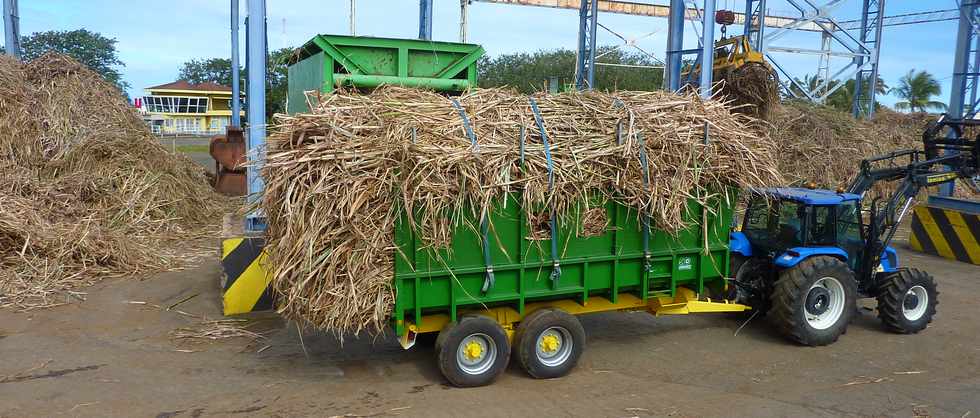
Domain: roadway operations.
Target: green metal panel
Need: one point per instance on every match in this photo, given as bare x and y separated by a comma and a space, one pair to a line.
446, 281
303, 76
369, 62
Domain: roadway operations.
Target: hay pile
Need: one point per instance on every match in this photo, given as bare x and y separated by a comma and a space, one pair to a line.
337, 179
87, 191
823, 145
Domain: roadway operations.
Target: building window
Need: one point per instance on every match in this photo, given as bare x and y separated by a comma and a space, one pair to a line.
176, 104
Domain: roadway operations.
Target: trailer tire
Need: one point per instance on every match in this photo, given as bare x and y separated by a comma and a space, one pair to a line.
472, 351
907, 301
814, 301
549, 343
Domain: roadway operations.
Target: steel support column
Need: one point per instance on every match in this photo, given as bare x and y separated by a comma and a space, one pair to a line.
755, 23
236, 88
352, 18
708, 49
425, 20
11, 26
588, 24
464, 16
256, 62
872, 17
675, 44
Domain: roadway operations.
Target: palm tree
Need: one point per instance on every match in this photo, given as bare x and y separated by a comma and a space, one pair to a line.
917, 89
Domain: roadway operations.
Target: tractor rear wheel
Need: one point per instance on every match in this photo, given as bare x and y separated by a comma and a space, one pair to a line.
813, 302
907, 301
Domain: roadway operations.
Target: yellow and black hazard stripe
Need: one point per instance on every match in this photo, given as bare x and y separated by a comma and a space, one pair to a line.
947, 233
246, 281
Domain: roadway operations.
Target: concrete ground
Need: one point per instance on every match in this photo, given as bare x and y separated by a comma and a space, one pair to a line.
109, 356
195, 147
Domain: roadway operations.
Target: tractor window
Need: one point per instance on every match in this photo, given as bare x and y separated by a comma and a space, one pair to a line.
822, 231
774, 224
849, 230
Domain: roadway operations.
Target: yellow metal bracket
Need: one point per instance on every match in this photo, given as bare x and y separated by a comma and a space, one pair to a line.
686, 302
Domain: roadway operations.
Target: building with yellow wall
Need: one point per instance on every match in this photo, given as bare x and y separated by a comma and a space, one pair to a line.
182, 107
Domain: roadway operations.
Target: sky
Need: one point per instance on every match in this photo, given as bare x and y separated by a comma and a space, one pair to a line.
155, 38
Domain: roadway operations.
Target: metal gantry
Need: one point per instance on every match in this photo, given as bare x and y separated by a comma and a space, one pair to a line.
866, 81
11, 26
755, 23
966, 66
585, 64
966, 71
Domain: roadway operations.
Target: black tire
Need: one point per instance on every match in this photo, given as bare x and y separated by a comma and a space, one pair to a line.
798, 305
561, 328
900, 305
750, 287
488, 335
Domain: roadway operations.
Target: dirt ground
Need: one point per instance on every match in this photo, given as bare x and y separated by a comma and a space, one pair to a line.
112, 355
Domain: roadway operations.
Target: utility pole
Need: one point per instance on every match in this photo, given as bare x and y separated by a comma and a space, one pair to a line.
352, 17
11, 25
256, 59
425, 20
236, 92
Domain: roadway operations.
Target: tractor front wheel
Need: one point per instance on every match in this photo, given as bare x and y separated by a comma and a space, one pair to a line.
813, 302
907, 301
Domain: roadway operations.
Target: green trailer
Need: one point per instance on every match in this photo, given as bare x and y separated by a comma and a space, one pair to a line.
502, 286
327, 62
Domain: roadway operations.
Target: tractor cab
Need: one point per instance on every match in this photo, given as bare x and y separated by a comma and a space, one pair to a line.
788, 225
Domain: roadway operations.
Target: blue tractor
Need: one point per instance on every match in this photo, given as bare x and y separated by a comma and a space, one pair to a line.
803, 256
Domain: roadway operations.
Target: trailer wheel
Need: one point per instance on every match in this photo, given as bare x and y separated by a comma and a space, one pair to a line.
813, 302
549, 343
473, 351
907, 301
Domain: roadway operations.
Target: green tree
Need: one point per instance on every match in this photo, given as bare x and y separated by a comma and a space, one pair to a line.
90, 48
916, 89
218, 70
529, 72
214, 70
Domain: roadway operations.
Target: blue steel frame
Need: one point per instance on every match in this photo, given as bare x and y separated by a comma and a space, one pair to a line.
425, 20
963, 102
675, 45
872, 18
676, 51
585, 65
755, 31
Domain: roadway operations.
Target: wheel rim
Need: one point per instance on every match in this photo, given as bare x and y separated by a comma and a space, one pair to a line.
476, 354
824, 303
915, 302
553, 346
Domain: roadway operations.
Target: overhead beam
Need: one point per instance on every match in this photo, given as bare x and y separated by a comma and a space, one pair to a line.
656, 10
650, 10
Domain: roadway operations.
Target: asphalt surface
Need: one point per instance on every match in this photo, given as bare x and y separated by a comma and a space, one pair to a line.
115, 355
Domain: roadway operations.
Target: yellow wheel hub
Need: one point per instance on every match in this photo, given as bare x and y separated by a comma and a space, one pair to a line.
550, 343
473, 350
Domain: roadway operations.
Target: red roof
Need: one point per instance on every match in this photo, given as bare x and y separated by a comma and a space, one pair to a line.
186, 85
